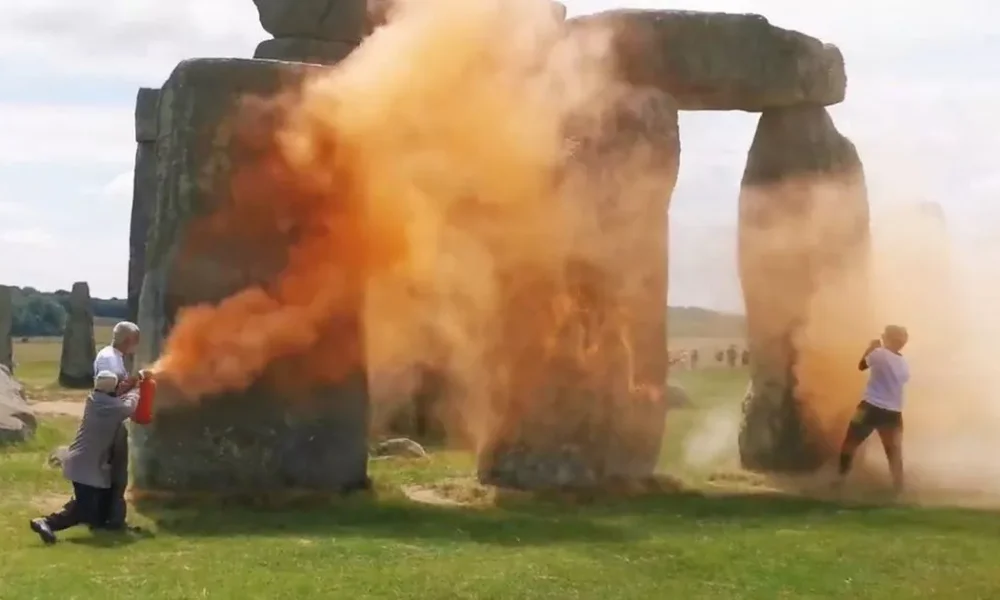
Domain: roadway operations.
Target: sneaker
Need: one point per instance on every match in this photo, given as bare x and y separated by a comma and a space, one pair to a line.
40, 527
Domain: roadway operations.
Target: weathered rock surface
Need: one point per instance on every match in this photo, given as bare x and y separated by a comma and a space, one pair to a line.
399, 447
76, 368
147, 102
803, 235
13, 431
260, 439
318, 52
17, 420
720, 61
329, 20
143, 192
560, 10
677, 397
574, 407
6, 325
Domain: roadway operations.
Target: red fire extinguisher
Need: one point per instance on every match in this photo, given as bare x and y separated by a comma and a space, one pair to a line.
144, 408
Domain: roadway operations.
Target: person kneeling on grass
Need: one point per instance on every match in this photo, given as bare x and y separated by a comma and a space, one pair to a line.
87, 464
881, 409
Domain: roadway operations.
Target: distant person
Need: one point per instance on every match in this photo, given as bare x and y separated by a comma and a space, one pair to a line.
881, 409
731, 356
114, 358
720, 356
694, 359
745, 357
88, 462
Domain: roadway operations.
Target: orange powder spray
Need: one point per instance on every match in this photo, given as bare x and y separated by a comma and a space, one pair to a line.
404, 180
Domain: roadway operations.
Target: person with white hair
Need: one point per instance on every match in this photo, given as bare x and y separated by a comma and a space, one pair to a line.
114, 358
87, 462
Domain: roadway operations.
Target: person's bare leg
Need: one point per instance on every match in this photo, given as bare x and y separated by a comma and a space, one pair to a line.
892, 442
856, 435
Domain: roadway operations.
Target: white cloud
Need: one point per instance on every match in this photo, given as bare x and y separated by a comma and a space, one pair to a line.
30, 238
10, 209
135, 40
119, 189
64, 135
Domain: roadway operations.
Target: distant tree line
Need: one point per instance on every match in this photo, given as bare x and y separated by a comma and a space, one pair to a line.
44, 313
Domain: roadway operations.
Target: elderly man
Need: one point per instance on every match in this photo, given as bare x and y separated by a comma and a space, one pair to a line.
113, 358
87, 462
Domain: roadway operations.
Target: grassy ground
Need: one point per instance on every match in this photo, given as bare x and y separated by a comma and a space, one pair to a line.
698, 545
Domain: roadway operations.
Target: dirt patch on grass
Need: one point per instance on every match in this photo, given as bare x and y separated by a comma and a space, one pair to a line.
48, 503
59, 408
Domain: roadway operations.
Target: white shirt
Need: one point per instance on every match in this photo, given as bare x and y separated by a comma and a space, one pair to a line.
110, 359
889, 373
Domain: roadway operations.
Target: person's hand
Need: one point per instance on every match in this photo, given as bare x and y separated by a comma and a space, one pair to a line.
876, 343
145, 374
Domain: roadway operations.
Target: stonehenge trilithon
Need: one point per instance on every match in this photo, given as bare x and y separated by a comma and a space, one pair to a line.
803, 230
313, 31
260, 439
798, 162
76, 368
573, 410
6, 325
143, 192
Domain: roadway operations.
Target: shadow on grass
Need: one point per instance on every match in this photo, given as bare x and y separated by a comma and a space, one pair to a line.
111, 540
541, 522
390, 519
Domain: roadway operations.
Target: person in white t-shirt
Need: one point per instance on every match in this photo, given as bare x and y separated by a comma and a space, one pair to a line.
112, 358
881, 409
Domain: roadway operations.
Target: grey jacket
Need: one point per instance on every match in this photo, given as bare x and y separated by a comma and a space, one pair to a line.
88, 459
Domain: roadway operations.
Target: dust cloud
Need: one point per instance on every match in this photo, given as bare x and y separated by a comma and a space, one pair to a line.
420, 181
944, 291
916, 273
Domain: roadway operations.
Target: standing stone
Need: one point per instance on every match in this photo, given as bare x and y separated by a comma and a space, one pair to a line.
312, 31
262, 439
76, 369
143, 192
803, 252
6, 325
560, 10
577, 346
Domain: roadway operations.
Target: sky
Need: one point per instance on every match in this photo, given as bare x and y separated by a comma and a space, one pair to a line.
923, 93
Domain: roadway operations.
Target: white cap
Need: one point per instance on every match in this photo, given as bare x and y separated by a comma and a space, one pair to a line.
106, 382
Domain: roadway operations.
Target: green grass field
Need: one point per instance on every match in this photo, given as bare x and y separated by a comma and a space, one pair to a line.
702, 543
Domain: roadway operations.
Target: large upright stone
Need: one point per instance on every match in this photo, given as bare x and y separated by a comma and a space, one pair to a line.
76, 368
143, 192
581, 349
312, 31
6, 325
803, 252
260, 440
720, 61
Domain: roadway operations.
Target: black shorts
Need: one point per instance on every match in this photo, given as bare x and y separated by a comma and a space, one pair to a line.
868, 418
